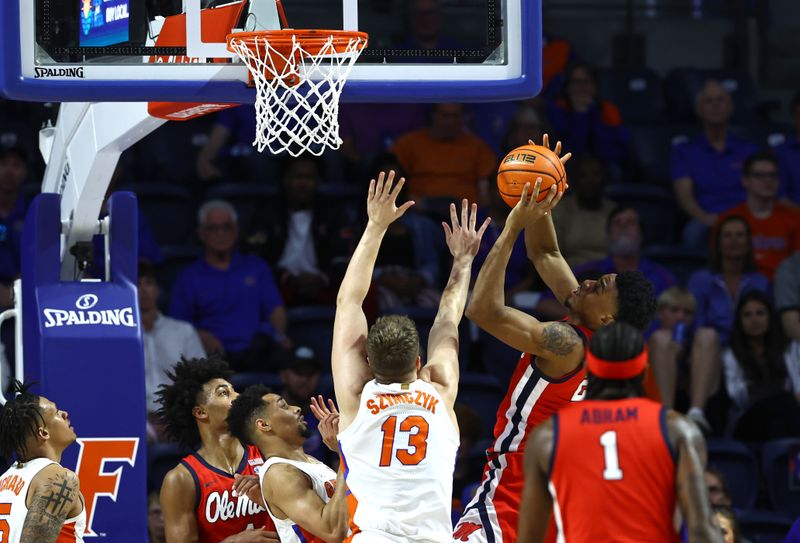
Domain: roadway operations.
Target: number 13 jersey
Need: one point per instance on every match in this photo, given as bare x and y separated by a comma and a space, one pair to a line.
399, 454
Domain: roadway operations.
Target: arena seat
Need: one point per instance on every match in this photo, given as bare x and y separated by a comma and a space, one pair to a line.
241, 381
681, 261
483, 393
683, 84
652, 145
249, 199
170, 210
162, 457
312, 326
740, 467
170, 153
764, 526
776, 458
656, 207
344, 200
637, 92
499, 360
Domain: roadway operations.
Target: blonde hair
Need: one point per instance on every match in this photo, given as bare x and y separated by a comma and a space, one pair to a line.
393, 346
677, 296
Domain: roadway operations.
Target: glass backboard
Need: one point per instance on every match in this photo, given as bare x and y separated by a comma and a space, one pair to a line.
173, 50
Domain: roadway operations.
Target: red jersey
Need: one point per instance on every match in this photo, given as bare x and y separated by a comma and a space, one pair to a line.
220, 515
612, 472
532, 398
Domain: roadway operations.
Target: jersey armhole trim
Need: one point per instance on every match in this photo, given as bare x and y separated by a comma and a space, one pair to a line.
193, 473
551, 462
662, 416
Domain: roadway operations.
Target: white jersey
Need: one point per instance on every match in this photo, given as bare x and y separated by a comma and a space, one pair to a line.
399, 454
14, 485
323, 480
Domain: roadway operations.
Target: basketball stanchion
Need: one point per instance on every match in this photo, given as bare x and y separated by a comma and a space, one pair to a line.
299, 76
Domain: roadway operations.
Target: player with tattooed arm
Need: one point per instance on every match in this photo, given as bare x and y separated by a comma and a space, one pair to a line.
40, 500
550, 371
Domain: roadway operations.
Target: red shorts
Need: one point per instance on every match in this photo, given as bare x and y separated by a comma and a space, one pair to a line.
493, 514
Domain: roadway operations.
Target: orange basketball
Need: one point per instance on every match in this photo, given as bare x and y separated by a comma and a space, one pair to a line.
525, 164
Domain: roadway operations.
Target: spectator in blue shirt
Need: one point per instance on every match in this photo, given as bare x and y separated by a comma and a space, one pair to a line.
624, 254
717, 290
706, 169
230, 298
789, 157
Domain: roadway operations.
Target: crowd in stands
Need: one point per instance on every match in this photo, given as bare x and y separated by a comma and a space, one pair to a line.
273, 237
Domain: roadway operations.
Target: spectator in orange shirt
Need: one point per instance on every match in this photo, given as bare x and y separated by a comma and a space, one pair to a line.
444, 159
775, 226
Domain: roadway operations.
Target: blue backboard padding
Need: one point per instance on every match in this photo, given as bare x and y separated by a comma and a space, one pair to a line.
16, 87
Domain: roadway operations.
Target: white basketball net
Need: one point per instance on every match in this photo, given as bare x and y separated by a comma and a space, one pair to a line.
292, 117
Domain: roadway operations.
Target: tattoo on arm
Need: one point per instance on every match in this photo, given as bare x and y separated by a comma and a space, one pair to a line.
49, 508
559, 338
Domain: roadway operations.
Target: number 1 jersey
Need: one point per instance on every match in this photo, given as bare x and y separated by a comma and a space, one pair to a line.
612, 472
399, 454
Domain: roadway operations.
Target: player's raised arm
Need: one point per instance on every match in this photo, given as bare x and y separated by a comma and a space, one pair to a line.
542, 247
349, 357
463, 240
555, 341
688, 444
537, 503
290, 492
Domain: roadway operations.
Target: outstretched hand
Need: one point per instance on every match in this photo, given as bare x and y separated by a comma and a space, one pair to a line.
462, 239
528, 210
556, 149
382, 208
328, 417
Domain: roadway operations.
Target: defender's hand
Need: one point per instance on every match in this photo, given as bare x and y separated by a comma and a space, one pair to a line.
462, 239
328, 417
556, 149
381, 202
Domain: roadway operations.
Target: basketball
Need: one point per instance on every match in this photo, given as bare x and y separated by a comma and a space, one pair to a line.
526, 164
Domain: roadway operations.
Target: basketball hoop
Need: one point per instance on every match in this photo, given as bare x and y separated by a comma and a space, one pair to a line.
299, 76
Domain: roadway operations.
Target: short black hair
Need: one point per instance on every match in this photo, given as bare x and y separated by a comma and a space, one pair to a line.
178, 398
622, 208
613, 343
244, 410
19, 418
146, 269
636, 299
760, 156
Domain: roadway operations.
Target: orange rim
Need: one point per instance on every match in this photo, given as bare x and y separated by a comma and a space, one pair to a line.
312, 40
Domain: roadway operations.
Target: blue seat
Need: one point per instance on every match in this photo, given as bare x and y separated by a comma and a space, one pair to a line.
312, 326
764, 526
162, 457
241, 381
344, 200
682, 262
251, 200
740, 468
638, 92
170, 210
652, 144
483, 393
498, 359
778, 457
170, 153
683, 84
656, 207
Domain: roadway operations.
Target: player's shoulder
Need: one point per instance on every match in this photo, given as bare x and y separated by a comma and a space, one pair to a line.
55, 475
179, 479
